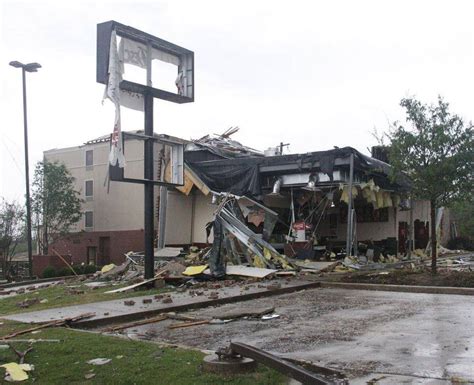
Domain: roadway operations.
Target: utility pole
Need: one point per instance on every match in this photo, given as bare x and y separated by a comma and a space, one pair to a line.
31, 67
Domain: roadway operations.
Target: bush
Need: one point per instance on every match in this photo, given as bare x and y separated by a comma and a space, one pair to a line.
79, 269
64, 272
49, 272
90, 269
463, 243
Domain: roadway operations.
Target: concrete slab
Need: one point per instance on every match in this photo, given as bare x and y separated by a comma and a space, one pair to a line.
397, 338
115, 310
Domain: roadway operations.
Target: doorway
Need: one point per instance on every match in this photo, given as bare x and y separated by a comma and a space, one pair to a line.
104, 250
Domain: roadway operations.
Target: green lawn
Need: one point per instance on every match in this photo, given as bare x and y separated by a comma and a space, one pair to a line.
133, 362
58, 296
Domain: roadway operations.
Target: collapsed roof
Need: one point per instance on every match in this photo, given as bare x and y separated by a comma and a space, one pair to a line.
250, 174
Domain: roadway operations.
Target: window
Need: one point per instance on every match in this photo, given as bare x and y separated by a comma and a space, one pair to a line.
91, 255
89, 158
89, 219
89, 188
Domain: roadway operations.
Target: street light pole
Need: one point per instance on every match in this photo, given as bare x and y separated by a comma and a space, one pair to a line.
31, 67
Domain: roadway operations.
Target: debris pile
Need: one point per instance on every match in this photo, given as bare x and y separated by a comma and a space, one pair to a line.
236, 243
223, 146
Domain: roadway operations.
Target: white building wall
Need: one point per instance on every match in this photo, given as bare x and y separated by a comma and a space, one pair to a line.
117, 206
203, 214
179, 218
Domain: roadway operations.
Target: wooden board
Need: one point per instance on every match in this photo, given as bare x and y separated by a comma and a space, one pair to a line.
122, 289
245, 271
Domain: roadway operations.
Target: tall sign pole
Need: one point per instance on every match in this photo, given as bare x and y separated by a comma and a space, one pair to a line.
139, 49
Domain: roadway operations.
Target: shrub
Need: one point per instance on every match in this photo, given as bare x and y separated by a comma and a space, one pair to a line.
49, 272
64, 271
463, 243
90, 269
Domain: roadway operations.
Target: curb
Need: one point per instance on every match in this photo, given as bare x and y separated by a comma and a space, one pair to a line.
92, 323
399, 288
40, 280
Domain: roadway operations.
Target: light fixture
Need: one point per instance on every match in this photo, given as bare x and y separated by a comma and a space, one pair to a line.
330, 197
30, 67
276, 188
311, 186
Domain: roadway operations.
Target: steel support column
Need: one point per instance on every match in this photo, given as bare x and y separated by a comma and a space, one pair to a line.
149, 189
349, 208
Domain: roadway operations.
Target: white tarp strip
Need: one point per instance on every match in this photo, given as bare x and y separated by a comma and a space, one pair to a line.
112, 92
135, 53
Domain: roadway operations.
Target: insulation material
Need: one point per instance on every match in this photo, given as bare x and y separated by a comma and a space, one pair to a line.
345, 193
387, 199
379, 202
16, 372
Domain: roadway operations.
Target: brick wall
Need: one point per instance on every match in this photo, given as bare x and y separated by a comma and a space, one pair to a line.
41, 262
110, 246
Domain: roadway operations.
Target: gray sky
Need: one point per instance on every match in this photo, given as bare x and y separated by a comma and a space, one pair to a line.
312, 73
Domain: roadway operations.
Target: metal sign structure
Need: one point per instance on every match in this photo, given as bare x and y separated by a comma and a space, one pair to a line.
140, 49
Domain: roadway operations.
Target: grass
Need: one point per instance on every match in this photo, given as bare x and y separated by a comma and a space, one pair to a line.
417, 278
133, 362
59, 296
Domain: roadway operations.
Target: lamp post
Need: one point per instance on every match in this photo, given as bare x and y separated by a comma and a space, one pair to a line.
30, 67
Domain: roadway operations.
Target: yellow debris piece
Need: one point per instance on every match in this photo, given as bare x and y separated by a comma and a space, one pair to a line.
17, 372
107, 268
194, 270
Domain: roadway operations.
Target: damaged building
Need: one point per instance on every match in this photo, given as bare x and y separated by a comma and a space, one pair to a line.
260, 205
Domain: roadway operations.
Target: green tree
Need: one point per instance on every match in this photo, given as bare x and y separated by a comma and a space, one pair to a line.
463, 211
12, 231
436, 151
55, 203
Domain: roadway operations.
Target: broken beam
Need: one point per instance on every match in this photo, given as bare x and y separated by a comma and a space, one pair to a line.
294, 371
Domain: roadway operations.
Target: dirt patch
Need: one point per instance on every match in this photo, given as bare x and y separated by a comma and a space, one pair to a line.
424, 278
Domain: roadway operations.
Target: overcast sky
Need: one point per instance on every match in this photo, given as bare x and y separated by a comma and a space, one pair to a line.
312, 73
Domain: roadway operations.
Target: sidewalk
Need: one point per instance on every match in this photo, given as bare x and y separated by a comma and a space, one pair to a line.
116, 311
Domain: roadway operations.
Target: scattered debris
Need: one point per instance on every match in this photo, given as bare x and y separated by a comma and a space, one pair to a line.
16, 372
21, 355
134, 286
246, 271
136, 323
274, 286
60, 322
241, 313
187, 324
269, 317
27, 303
194, 270
107, 268
99, 361
88, 376
147, 300
129, 302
